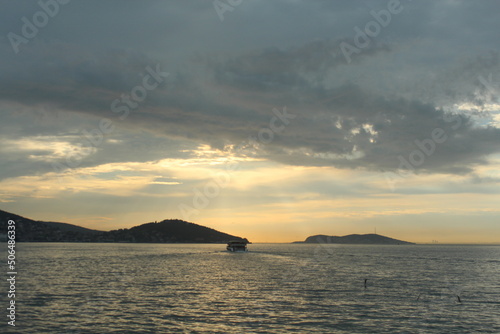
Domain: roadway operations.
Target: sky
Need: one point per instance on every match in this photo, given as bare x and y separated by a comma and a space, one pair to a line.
270, 120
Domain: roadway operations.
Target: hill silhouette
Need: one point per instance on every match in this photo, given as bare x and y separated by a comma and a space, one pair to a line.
39, 231
364, 239
170, 231
167, 231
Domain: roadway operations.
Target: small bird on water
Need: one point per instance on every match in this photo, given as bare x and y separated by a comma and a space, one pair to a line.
366, 279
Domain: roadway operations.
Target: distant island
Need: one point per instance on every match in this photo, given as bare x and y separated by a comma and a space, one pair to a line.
166, 231
361, 239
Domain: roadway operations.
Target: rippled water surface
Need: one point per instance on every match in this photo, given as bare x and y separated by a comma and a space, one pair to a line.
298, 288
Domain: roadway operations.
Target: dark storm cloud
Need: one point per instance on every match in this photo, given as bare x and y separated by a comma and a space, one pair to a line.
362, 114
278, 69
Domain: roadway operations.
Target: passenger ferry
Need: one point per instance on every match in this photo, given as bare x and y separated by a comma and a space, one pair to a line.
237, 246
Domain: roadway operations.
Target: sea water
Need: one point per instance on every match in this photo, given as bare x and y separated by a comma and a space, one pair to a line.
273, 288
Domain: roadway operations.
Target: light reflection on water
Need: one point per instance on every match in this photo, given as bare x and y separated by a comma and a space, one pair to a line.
155, 288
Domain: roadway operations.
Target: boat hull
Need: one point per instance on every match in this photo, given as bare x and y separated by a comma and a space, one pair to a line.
237, 246
234, 249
